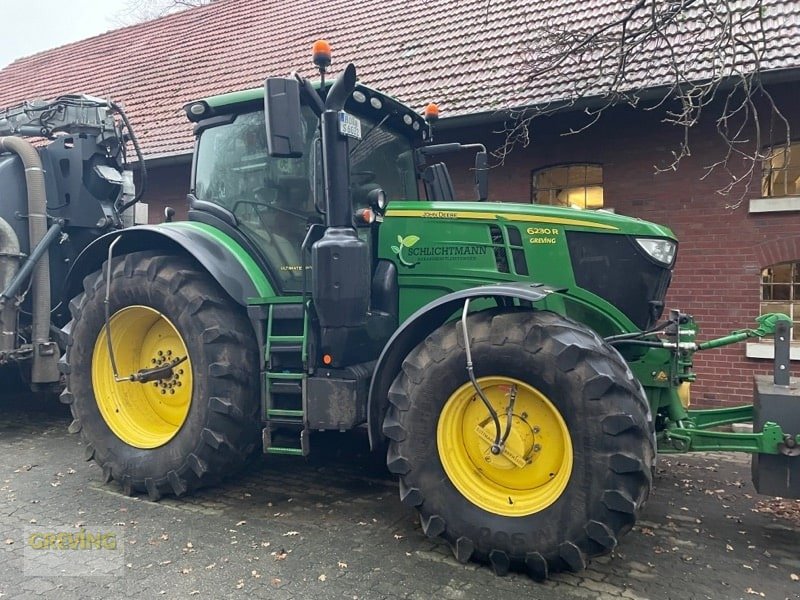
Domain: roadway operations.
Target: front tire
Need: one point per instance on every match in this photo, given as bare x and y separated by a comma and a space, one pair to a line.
175, 434
576, 469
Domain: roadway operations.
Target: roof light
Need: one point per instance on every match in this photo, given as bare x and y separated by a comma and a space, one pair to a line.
376, 103
322, 54
431, 112
407, 119
359, 97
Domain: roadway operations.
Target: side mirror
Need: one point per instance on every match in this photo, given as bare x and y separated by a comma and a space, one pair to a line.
282, 117
482, 175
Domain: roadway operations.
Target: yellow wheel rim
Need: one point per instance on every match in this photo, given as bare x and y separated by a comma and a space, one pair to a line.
535, 464
143, 415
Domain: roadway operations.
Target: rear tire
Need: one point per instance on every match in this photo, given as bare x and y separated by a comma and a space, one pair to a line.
135, 437
605, 428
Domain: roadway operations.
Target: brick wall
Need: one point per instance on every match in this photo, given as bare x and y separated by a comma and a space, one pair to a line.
167, 186
722, 250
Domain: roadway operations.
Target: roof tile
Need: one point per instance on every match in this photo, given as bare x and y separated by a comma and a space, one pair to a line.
468, 55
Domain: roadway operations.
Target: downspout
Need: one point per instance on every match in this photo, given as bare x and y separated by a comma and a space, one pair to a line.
45, 354
9, 263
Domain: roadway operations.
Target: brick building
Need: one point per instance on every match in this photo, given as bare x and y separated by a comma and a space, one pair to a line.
468, 56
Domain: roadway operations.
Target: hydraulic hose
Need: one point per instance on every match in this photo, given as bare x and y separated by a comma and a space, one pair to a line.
37, 226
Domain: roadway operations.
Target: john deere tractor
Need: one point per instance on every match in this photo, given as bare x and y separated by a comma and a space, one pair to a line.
511, 359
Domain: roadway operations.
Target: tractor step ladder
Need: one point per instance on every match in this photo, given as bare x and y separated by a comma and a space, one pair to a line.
286, 353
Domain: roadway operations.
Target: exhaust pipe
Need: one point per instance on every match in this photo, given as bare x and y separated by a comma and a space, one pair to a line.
9, 264
45, 352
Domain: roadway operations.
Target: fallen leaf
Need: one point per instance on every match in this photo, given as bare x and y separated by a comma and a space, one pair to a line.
342, 565
211, 566
194, 592
9, 542
240, 523
322, 577
728, 547
794, 577
754, 593
275, 581
240, 585
290, 533
255, 574
189, 545
397, 536
186, 571
280, 555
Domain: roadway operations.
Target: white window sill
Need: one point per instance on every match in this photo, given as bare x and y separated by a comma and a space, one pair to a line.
767, 350
778, 204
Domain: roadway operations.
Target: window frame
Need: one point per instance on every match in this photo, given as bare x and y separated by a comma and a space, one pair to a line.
566, 165
766, 349
792, 147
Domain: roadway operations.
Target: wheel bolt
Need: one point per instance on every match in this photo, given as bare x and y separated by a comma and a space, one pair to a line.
163, 391
536, 447
160, 353
536, 429
172, 391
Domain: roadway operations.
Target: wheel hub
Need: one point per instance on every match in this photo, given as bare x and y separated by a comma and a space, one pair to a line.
518, 450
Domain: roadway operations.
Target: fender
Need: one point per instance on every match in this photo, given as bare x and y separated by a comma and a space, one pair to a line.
418, 326
219, 254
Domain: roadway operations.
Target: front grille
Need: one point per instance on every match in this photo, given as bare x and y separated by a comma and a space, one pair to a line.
616, 269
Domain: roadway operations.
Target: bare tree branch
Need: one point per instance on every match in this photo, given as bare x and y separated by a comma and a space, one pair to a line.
682, 58
137, 11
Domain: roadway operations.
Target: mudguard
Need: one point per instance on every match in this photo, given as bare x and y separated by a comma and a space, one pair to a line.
219, 254
418, 326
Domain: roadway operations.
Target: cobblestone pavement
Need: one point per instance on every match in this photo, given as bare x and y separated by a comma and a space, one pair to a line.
332, 527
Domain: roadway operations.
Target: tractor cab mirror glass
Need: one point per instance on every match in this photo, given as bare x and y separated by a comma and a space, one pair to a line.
285, 138
482, 175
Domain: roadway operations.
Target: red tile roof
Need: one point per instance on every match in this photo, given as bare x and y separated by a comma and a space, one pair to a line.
467, 55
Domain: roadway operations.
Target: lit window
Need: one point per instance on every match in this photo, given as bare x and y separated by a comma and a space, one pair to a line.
780, 292
578, 186
782, 172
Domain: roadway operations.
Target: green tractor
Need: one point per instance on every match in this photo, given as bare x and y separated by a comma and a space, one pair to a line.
509, 358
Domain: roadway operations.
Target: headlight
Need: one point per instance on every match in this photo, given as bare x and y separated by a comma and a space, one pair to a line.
660, 250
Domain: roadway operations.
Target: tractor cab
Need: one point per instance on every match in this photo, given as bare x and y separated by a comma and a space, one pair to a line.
274, 201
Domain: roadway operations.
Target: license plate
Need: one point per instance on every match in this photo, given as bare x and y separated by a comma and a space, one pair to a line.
349, 125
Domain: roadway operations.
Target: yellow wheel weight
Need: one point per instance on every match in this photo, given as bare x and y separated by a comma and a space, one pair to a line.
143, 415
535, 465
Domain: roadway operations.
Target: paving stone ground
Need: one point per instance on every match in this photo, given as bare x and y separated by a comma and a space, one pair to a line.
332, 527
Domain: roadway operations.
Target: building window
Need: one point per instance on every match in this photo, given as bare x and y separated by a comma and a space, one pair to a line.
782, 172
780, 292
578, 186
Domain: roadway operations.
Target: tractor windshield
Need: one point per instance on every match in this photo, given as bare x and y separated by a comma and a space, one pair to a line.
273, 199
